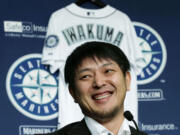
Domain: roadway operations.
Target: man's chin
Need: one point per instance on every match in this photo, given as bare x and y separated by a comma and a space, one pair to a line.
102, 115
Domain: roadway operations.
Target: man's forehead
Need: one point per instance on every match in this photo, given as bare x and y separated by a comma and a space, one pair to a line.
101, 62
97, 60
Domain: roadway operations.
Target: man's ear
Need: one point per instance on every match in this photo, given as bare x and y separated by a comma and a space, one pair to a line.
128, 80
71, 91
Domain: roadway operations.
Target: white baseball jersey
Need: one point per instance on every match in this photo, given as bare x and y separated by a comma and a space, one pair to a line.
71, 26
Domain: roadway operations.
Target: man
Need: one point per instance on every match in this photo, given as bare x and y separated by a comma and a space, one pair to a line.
98, 77
71, 26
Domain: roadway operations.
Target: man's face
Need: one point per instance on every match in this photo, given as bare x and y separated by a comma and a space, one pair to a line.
100, 88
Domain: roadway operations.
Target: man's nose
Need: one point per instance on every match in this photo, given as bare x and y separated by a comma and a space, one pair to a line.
99, 81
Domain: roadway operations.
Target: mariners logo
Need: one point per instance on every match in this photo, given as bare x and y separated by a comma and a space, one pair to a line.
32, 89
51, 41
154, 53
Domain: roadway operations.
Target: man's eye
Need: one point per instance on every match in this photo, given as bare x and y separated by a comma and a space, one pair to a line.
109, 70
84, 77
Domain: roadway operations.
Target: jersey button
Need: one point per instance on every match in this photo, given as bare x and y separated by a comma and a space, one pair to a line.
88, 13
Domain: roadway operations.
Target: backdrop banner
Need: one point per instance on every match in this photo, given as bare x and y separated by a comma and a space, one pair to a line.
29, 92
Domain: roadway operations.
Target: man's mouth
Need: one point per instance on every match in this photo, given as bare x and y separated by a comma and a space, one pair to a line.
103, 95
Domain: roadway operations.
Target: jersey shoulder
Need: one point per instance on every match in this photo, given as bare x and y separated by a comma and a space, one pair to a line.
122, 15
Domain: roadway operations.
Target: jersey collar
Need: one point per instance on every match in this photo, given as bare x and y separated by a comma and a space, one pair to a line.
90, 13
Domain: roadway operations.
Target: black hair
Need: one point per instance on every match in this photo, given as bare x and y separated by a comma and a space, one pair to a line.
101, 50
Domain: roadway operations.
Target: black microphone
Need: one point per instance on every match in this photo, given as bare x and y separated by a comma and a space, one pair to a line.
128, 115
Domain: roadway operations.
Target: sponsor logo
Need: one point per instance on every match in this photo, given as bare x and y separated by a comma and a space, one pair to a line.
154, 53
51, 41
158, 127
17, 26
35, 129
150, 95
24, 29
32, 89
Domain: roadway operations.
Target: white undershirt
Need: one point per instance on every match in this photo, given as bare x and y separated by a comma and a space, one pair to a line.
98, 129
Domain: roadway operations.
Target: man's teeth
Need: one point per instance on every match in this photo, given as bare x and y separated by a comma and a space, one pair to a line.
101, 97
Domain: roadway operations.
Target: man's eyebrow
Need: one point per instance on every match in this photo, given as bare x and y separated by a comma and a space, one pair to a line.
107, 64
84, 70
89, 69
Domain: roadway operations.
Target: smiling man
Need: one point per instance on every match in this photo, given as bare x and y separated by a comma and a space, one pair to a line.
100, 87
98, 77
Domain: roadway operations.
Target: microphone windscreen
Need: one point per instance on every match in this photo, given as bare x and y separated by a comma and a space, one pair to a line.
128, 115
